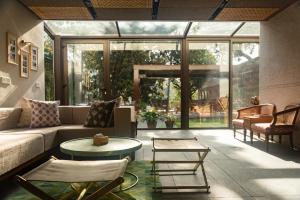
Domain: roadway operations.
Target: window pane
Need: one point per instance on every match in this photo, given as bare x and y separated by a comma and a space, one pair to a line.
249, 29
83, 28
245, 79
49, 67
213, 28
209, 84
148, 72
146, 28
85, 68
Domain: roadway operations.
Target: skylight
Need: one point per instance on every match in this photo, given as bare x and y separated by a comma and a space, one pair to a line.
213, 28
83, 28
249, 29
148, 28
156, 29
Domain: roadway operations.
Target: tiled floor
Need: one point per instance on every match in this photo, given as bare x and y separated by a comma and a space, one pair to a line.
235, 169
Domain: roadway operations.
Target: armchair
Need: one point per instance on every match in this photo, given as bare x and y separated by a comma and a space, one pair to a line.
283, 123
254, 114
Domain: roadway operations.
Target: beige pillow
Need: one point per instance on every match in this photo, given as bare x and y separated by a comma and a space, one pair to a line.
25, 118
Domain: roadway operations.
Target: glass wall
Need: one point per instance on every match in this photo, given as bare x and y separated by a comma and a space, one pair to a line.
209, 84
245, 74
147, 75
49, 67
85, 73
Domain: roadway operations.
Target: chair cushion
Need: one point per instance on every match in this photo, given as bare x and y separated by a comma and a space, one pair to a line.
16, 149
44, 114
238, 123
266, 128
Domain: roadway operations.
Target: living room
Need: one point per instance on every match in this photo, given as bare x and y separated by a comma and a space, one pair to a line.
208, 87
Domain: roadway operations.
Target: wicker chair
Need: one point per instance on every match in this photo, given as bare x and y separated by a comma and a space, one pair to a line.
283, 124
258, 113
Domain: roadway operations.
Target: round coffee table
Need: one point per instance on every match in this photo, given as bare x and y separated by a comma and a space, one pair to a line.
117, 146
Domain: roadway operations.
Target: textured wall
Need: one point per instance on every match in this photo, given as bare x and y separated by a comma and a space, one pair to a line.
280, 60
15, 18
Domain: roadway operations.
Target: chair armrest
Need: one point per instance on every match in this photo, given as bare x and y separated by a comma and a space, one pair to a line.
248, 111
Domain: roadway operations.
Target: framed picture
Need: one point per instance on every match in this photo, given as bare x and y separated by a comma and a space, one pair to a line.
12, 48
24, 64
34, 51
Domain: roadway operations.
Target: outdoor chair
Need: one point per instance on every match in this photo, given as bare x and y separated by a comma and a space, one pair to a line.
262, 113
76, 172
283, 124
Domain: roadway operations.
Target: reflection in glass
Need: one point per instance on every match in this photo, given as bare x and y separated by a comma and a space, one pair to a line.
213, 28
152, 28
209, 85
245, 75
148, 73
249, 29
85, 70
83, 28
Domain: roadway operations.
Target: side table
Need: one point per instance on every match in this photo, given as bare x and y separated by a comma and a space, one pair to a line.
163, 145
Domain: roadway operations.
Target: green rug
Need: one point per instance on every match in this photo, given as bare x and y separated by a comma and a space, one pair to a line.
142, 191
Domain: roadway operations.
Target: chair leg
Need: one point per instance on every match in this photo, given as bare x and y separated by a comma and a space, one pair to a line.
105, 189
267, 142
251, 136
245, 134
32, 189
272, 137
234, 131
258, 134
292, 141
280, 139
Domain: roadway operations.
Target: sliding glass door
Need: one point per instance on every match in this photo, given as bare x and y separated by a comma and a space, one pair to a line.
208, 84
147, 74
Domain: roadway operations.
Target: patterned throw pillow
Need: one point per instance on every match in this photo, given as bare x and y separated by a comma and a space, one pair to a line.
44, 114
100, 114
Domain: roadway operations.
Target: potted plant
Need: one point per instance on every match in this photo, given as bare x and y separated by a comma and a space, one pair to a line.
151, 118
170, 120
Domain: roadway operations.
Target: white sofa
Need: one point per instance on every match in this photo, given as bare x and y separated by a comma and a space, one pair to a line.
20, 145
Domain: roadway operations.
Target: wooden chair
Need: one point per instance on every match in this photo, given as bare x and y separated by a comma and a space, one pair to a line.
75, 172
283, 124
262, 113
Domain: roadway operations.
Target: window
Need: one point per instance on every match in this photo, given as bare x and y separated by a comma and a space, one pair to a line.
85, 73
213, 28
209, 84
49, 68
245, 79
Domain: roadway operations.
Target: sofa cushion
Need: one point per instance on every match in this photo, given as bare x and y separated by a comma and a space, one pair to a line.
66, 114
16, 149
25, 117
9, 117
44, 114
79, 114
49, 134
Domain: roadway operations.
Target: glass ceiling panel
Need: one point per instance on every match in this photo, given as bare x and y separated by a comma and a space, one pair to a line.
213, 28
147, 28
249, 29
83, 28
